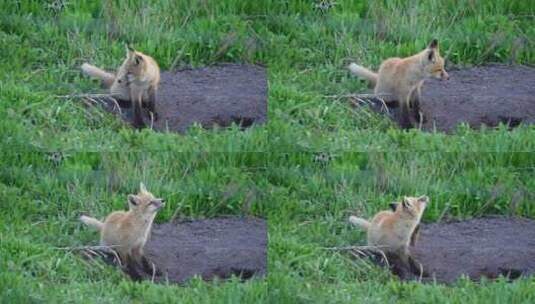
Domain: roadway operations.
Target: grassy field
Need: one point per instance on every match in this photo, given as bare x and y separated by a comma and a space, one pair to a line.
306, 201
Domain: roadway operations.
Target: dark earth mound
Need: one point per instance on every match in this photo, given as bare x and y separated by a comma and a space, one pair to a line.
485, 95
217, 95
481, 247
210, 248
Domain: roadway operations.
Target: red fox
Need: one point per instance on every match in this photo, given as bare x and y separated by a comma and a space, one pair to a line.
392, 231
127, 231
137, 80
403, 77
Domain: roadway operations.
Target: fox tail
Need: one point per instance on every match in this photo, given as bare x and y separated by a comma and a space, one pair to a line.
92, 222
357, 221
363, 72
106, 77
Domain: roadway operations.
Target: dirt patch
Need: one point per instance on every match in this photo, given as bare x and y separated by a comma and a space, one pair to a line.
486, 95
482, 247
210, 248
217, 95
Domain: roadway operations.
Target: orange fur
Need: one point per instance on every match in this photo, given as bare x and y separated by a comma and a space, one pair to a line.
126, 232
143, 76
137, 80
402, 78
391, 231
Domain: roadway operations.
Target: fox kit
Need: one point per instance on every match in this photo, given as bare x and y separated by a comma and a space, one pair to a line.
143, 76
127, 231
137, 80
391, 231
403, 77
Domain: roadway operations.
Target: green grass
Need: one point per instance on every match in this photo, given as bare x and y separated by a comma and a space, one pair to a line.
466, 174
42, 199
306, 53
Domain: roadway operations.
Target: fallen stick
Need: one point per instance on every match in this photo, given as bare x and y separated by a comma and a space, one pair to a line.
368, 99
95, 99
91, 251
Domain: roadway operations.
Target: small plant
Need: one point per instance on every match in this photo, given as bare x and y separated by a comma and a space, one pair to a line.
324, 5
56, 6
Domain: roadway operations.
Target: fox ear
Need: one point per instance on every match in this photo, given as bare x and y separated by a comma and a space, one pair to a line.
424, 198
405, 202
129, 50
132, 199
433, 44
138, 59
431, 55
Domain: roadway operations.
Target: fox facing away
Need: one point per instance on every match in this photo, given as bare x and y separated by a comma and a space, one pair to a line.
402, 78
126, 232
392, 231
137, 80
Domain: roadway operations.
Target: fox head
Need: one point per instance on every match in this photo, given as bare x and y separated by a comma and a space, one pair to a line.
144, 202
136, 61
411, 206
433, 62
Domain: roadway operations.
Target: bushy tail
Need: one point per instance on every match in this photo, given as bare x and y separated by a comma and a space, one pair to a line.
106, 77
363, 72
357, 221
92, 222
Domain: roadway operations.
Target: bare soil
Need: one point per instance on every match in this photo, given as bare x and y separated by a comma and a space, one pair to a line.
485, 95
482, 247
216, 95
209, 248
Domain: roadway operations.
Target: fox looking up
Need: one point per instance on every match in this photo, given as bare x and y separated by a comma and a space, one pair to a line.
126, 232
391, 231
402, 78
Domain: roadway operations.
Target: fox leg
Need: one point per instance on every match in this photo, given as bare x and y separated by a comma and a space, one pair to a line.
142, 260
417, 98
399, 264
137, 99
411, 264
404, 100
152, 102
413, 106
416, 268
130, 266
